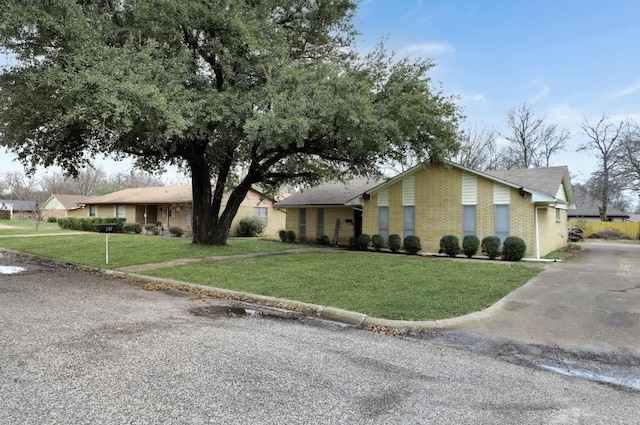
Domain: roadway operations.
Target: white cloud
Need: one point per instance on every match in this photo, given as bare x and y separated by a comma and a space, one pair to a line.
544, 91
564, 114
479, 98
628, 90
428, 48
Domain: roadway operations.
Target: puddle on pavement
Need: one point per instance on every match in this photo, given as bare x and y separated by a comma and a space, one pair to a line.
11, 269
617, 378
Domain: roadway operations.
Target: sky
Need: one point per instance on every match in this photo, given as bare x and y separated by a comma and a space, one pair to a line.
569, 60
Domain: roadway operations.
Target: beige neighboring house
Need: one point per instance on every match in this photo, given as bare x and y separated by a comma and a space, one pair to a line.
172, 206
431, 201
61, 205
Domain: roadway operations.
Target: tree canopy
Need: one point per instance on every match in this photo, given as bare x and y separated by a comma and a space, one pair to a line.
237, 91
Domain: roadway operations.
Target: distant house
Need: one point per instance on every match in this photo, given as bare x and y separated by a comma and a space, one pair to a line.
431, 201
61, 205
172, 206
587, 208
325, 209
17, 210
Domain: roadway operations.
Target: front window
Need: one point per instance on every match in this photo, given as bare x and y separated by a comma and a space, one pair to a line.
261, 213
469, 220
120, 211
302, 223
383, 222
502, 222
409, 221
320, 223
93, 210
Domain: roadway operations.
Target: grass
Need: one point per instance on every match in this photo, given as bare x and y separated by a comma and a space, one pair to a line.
28, 227
380, 285
89, 248
387, 286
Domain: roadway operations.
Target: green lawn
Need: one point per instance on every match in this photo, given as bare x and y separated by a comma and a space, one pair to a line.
392, 286
28, 227
388, 286
89, 248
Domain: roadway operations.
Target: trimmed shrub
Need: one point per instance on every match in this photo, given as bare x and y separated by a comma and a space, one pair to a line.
363, 242
88, 224
324, 240
395, 243
513, 249
291, 236
470, 245
377, 241
132, 228
250, 227
52, 219
282, 234
176, 231
449, 245
412, 244
152, 228
353, 243
491, 246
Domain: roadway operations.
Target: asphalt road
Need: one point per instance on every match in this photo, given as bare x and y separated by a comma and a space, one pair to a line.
79, 347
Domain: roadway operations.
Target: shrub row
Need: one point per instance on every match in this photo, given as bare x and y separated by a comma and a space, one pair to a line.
287, 235
88, 224
513, 248
411, 244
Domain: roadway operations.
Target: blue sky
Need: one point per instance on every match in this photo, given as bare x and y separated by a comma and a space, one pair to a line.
569, 59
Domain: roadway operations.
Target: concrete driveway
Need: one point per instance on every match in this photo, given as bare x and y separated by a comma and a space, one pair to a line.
590, 302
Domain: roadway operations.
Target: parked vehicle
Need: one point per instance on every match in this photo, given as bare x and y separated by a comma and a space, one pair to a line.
575, 234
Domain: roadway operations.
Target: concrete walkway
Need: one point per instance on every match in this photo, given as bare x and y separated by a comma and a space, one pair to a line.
590, 301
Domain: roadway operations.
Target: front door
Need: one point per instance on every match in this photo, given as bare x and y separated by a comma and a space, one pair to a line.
357, 223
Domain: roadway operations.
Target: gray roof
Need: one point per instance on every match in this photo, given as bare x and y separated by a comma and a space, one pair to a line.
333, 193
19, 205
587, 206
542, 180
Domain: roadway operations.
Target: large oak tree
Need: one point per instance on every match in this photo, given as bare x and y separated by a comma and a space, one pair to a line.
273, 88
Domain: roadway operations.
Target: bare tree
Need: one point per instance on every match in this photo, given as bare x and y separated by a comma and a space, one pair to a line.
630, 155
20, 187
478, 149
532, 142
604, 142
88, 182
130, 179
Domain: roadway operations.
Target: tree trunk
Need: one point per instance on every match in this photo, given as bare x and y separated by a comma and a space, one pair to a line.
202, 219
210, 227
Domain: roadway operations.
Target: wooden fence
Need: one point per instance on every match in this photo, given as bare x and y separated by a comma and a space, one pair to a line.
630, 228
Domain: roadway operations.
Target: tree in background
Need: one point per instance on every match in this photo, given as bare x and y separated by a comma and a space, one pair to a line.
604, 140
94, 181
272, 87
478, 149
630, 155
532, 142
17, 186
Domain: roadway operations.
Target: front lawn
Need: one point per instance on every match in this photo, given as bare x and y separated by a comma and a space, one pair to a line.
89, 249
386, 286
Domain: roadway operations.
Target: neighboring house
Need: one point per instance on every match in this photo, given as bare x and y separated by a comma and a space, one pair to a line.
61, 205
431, 201
587, 208
173, 206
321, 210
17, 210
